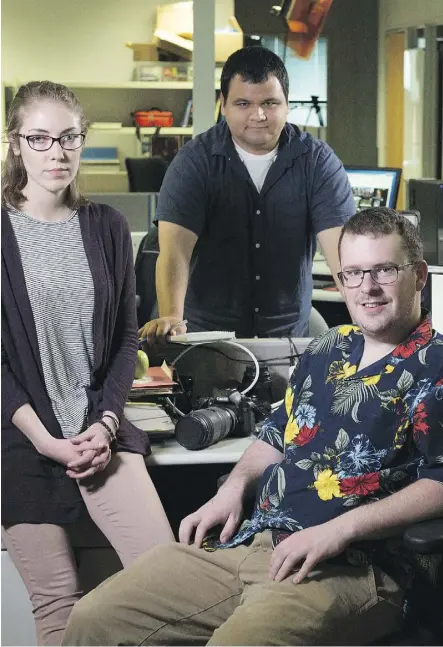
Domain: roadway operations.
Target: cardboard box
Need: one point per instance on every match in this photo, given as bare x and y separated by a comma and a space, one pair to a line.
175, 28
177, 18
228, 42
174, 44
143, 51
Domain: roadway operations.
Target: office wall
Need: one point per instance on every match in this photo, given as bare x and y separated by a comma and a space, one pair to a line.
352, 31
81, 40
395, 15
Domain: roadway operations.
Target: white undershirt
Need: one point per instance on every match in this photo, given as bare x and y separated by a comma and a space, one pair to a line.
257, 165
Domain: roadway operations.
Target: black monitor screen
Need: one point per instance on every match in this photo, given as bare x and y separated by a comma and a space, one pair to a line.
374, 187
431, 296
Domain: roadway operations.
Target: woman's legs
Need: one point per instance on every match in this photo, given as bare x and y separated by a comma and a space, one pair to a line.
43, 556
123, 502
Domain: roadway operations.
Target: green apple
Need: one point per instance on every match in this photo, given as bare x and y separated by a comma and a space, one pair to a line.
141, 365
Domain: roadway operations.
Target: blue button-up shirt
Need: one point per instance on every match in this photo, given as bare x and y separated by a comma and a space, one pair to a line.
251, 269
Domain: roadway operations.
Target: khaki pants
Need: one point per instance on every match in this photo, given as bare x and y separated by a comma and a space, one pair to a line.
181, 595
123, 503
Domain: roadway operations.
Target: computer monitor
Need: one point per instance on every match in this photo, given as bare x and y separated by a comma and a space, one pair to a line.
212, 365
427, 197
374, 187
431, 296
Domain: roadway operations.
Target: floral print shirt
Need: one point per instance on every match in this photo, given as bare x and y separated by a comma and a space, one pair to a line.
348, 436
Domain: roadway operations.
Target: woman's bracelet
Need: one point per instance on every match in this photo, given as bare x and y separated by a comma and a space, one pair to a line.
111, 433
112, 417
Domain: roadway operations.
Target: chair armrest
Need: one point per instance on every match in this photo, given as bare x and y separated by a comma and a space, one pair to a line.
425, 537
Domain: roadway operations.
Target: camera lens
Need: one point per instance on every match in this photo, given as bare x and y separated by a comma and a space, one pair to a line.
204, 427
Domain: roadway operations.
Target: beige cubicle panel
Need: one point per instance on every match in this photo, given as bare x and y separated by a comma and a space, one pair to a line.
103, 181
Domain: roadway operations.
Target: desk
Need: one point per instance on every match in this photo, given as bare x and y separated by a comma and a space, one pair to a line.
322, 300
169, 452
326, 295
320, 268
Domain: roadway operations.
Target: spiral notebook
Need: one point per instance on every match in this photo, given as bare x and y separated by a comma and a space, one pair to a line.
198, 337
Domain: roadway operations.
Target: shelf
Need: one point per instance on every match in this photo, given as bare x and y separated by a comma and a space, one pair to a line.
130, 130
177, 130
133, 85
173, 130
326, 295
124, 85
122, 130
88, 169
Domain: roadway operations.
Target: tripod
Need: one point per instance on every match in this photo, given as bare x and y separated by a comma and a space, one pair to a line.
315, 106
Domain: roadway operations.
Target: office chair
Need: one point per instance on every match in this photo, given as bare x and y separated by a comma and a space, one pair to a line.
422, 624
145, 174
144, 268
317, 324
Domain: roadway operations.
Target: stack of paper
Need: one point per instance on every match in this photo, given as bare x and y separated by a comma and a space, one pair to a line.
157, 381
199, 337
151, 418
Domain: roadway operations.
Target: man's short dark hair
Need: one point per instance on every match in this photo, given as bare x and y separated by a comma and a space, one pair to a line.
254, 65
381, 221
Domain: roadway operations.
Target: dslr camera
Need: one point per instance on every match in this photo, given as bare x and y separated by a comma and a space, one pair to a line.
227, 413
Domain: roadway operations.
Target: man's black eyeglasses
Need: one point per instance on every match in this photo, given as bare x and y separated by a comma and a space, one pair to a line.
383, 275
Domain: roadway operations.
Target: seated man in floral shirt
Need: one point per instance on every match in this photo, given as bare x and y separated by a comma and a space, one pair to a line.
353, 456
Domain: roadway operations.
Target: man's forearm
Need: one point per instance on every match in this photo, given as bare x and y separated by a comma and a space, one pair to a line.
172, 274
390, 516
328, 240
251, 466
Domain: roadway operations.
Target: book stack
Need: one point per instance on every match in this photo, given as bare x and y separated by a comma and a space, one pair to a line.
150, 417
157, 381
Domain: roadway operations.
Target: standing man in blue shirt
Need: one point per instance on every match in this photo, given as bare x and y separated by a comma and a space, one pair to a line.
240, 211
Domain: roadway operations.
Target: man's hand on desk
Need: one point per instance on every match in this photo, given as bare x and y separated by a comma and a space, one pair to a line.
155, 331
225, 508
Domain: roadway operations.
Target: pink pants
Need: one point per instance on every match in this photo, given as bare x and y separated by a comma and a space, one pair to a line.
123, 503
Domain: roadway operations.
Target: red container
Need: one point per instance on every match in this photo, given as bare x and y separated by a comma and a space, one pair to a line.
157, 118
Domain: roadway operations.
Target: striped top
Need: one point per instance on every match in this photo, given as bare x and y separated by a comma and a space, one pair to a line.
61, 294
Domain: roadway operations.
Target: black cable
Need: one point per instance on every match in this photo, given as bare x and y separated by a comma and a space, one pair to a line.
293, 347
180, 383
260, 361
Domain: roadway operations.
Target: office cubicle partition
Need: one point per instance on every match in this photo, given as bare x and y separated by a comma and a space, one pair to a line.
138, 208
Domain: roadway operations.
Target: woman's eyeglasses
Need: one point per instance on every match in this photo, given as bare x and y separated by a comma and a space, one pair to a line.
68, 142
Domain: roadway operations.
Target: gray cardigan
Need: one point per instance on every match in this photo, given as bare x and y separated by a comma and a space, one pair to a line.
35, 489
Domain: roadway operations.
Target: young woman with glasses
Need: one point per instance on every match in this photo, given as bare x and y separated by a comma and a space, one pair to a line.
69, 344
